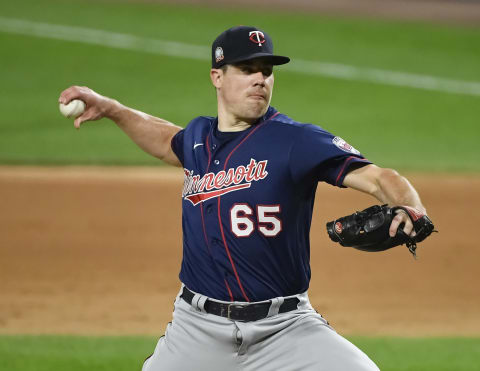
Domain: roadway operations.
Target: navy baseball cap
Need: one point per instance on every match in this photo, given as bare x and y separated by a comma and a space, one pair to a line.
242, 43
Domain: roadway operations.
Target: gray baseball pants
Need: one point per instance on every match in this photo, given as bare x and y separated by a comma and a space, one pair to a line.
298, 340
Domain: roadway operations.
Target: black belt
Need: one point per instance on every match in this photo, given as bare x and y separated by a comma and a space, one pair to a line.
240, 312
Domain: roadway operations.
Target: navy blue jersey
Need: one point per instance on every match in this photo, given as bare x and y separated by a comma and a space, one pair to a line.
248, 200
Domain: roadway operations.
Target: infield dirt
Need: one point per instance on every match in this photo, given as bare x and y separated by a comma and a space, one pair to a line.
98, 250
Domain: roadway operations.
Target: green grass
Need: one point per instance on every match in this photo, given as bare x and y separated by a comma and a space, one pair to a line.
422, 354
73, 353
404, 128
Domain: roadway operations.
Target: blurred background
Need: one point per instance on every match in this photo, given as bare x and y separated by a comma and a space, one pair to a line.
90, 226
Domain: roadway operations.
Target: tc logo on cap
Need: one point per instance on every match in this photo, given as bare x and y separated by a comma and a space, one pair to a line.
257, 37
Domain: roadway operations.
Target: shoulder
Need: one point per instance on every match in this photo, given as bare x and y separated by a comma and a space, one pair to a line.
200, 121
199, 125
307, 135
195, 131
283, 122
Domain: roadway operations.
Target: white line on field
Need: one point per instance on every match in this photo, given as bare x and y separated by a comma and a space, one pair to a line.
104, 38
184, 50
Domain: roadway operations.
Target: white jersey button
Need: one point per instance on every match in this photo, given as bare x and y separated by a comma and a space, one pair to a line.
216, 162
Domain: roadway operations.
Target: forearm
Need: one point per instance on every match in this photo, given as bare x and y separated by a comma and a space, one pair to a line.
385, 184
390, 188
150, 133
394, 189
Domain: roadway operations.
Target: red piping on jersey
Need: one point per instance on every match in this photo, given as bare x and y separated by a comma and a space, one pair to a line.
220, 220
209, 154
343, 169
208, 246
203, 219
230, 256
203, 225
345, 166
244, 139
201, 205
228, 288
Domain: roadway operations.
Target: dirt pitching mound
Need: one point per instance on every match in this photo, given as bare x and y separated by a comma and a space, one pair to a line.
98, 250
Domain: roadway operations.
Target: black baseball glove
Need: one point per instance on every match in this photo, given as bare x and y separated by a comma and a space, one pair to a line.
368, 230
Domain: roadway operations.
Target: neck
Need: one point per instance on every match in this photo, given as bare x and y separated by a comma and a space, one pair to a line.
228, 121
232, 124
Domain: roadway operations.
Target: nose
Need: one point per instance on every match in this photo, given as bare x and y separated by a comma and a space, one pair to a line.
259, 78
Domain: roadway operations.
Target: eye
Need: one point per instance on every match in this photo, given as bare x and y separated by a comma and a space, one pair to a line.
267, 71
249, 69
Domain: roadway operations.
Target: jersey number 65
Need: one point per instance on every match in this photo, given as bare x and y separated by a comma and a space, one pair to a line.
243, 224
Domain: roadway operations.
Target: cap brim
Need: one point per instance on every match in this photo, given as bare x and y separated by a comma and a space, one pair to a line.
274, 59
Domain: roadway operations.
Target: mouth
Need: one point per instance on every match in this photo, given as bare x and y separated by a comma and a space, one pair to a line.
259, 96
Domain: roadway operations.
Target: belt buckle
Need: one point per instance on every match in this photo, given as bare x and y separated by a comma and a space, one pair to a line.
229, 309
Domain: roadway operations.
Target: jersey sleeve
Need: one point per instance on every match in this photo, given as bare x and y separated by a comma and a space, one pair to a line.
319, 155
177, 145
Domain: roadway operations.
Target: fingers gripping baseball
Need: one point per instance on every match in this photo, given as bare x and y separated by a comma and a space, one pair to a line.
88, 115
96, 105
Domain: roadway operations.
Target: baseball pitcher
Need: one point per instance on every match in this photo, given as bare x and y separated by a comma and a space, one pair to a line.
250, 176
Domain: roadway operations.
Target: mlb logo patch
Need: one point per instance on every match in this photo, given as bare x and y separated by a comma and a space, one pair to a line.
219, 54
344, 146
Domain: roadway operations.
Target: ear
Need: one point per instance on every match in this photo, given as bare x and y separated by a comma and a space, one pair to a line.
216, 75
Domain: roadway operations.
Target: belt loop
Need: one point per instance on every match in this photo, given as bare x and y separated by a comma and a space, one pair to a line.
198, 303
275, 306
201, 304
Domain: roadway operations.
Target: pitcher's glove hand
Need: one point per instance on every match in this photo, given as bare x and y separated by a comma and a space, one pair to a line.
368, 230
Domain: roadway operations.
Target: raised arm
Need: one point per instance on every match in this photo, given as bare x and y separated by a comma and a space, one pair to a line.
150, 133
388, 187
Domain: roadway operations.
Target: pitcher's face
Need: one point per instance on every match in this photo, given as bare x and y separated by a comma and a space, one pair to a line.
245, 88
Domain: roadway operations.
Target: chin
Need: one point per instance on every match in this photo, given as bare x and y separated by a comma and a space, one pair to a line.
257, 110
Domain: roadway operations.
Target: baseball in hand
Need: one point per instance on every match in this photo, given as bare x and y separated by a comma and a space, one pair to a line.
73, 109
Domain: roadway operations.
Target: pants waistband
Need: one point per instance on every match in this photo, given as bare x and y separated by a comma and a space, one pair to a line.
245, 312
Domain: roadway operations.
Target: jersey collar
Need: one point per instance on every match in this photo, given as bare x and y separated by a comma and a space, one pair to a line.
271, 111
